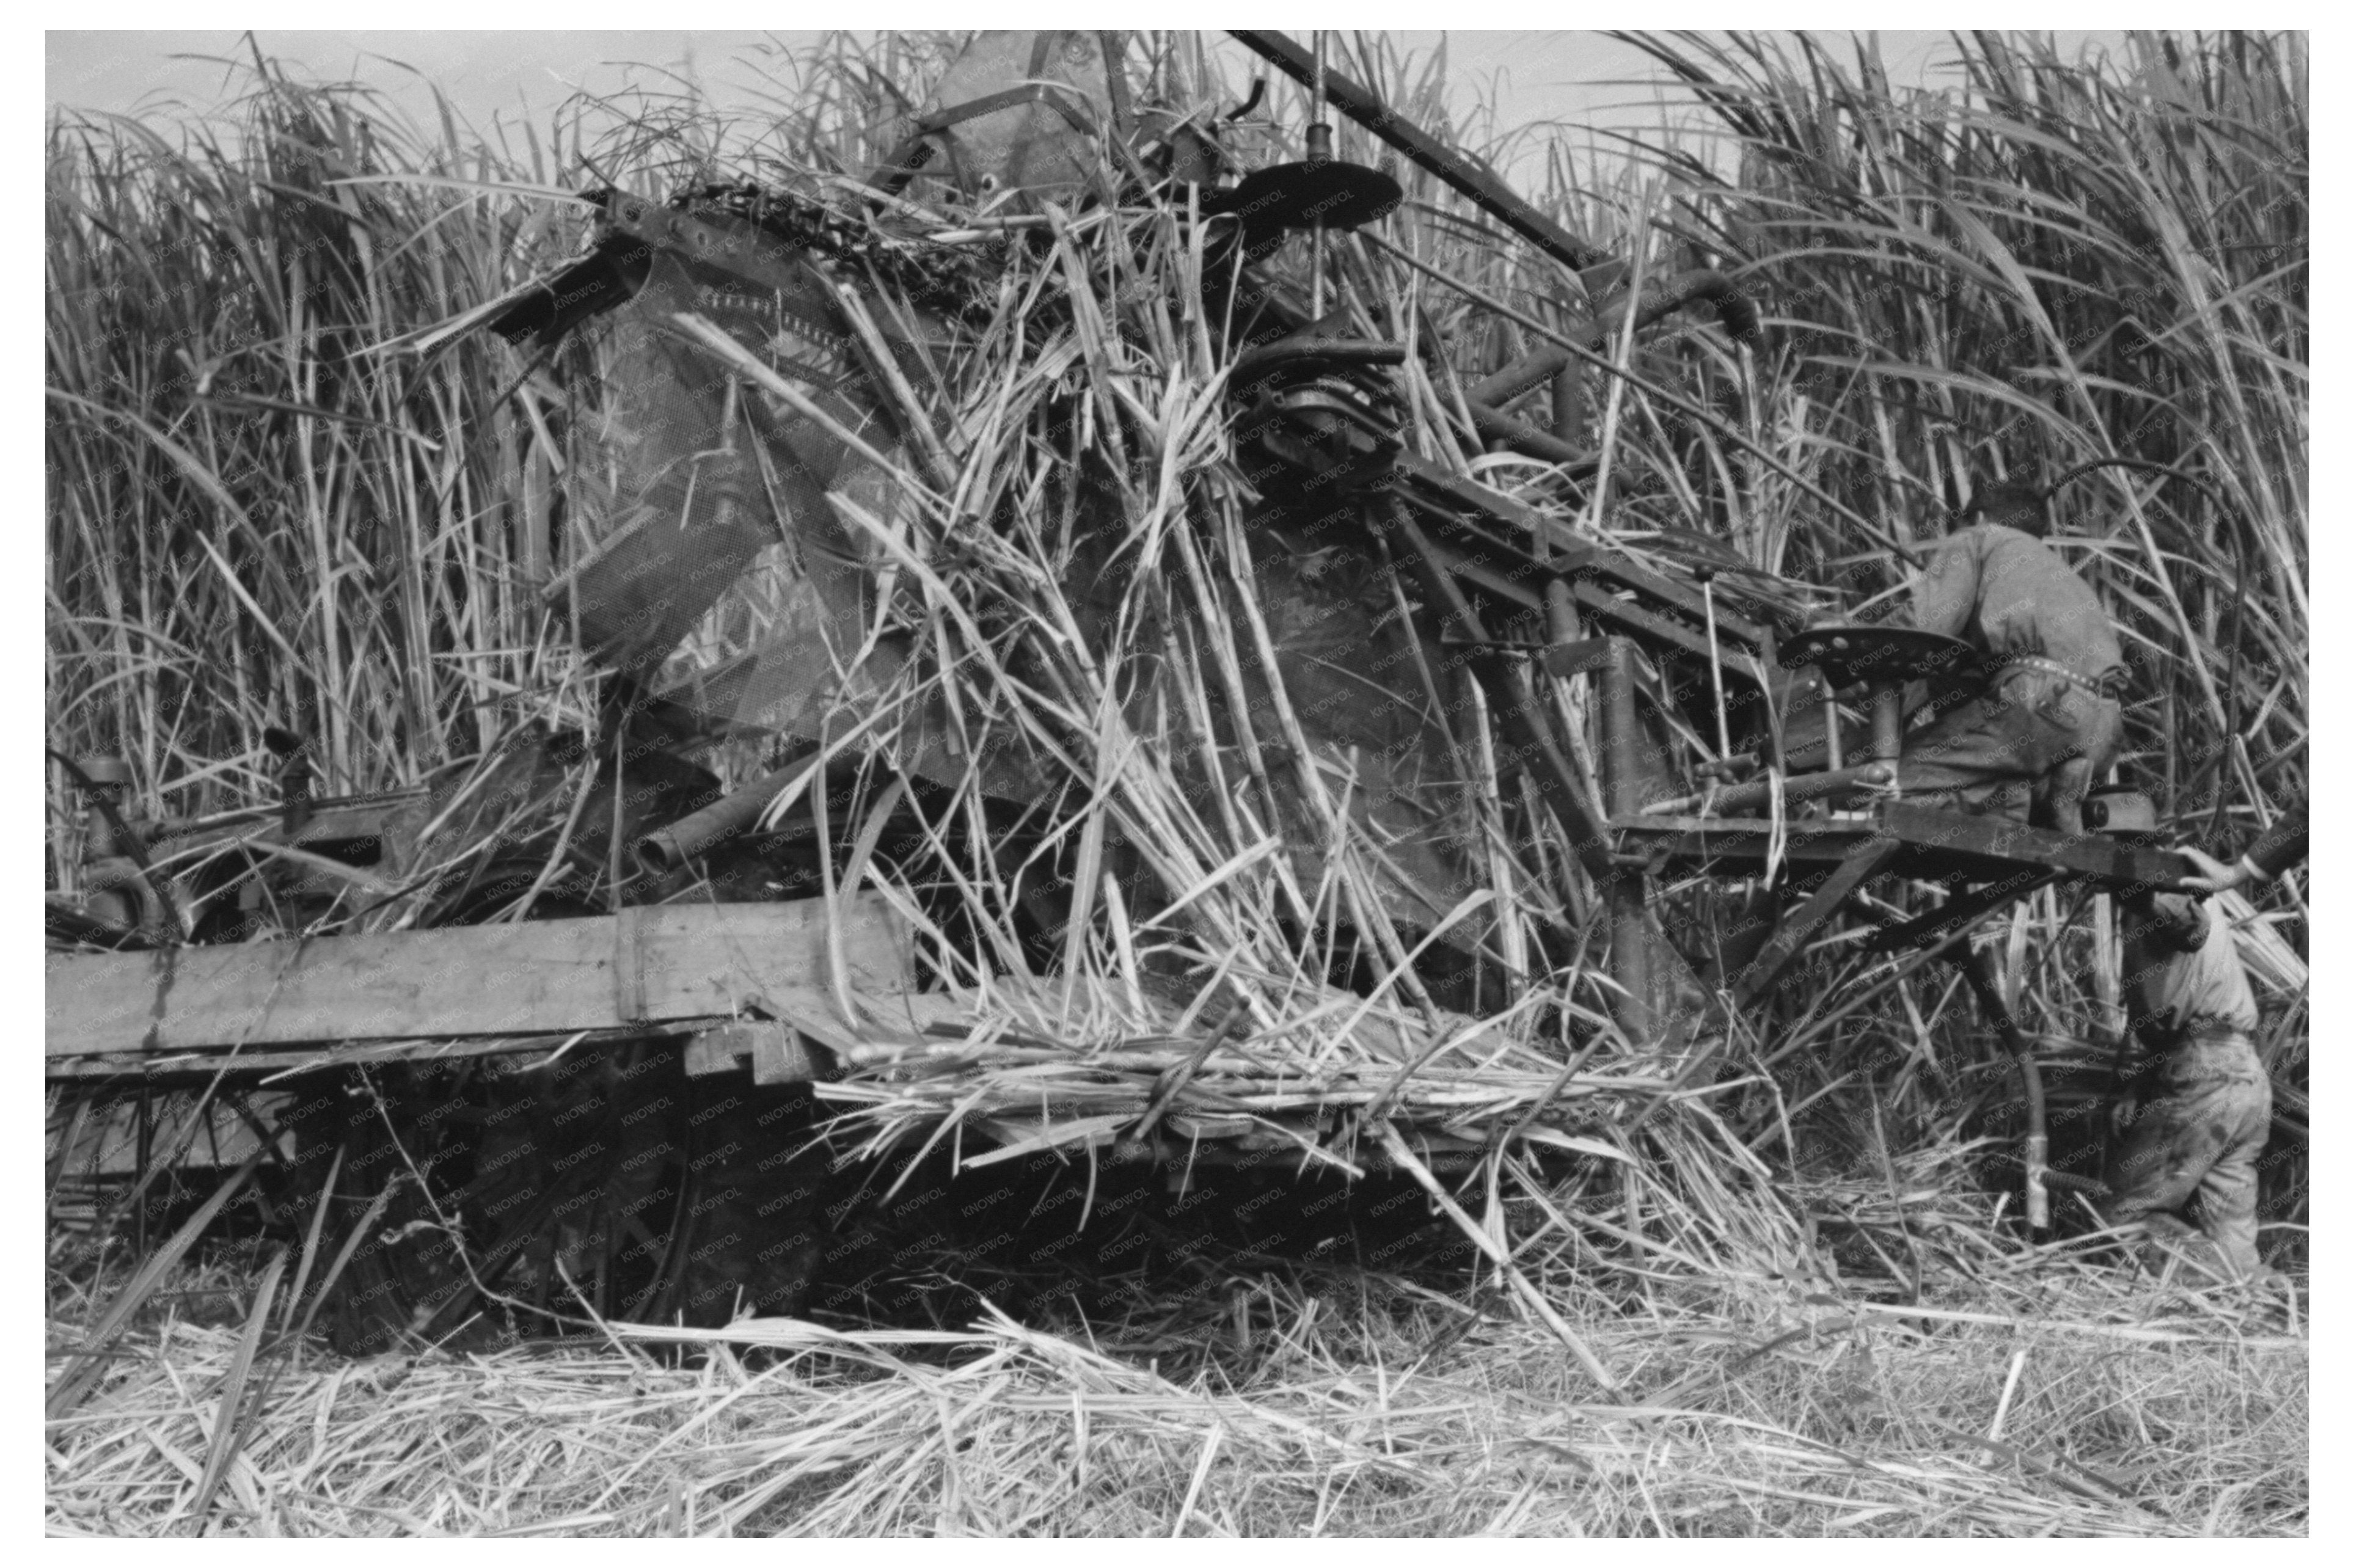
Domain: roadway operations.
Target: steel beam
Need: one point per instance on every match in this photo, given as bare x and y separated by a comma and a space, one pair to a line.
1864, 861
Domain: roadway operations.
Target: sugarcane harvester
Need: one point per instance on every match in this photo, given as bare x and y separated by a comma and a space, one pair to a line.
1697, 660
1481, 559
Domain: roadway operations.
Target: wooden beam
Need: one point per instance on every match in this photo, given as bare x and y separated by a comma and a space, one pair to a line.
647, 966
1939, 845
2000, 844
197, 1068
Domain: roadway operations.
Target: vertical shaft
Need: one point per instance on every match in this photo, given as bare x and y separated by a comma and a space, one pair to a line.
1887, 721
1631, 937
1568, 403
1318, 148
1715, 663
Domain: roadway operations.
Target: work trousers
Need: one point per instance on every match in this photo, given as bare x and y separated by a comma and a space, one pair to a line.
2193, 1146
2028, 747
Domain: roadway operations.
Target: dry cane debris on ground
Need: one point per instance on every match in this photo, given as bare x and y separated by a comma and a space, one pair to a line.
2055, 1398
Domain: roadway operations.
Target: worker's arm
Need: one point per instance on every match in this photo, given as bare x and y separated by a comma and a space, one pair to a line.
2276, 850
1946, 591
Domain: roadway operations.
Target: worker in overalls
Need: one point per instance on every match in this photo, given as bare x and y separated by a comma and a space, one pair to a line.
2030, 741
2196, 1110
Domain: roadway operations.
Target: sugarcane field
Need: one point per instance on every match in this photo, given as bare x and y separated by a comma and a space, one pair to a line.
1180, 784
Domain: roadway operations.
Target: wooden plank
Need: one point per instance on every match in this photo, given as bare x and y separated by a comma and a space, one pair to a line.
506, 979
702, 960
1735, 841
199, 1065
532, 978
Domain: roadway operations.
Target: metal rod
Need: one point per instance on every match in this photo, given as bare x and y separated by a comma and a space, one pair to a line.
1630, 943
1831, 758
1462, 172
1715, 663
1887, 721
1318, 134
1758, 791
1568, 404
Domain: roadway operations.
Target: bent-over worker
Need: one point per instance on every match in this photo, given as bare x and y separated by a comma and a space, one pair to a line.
2047, 724
2187, 1135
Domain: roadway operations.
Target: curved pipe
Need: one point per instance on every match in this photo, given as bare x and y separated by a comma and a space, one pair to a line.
2036, 1147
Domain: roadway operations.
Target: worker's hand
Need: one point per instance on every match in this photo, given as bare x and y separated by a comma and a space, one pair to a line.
2214, 875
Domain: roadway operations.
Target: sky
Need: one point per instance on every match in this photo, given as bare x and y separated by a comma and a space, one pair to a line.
1582, 78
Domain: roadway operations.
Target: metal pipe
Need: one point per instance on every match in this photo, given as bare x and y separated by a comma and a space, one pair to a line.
1320, 150
1568, 404
1715, 660
1525, 439
1458, 169
1887, 721
1630, 936
1622, 732
667, 849
1758, 791
2035, 1147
